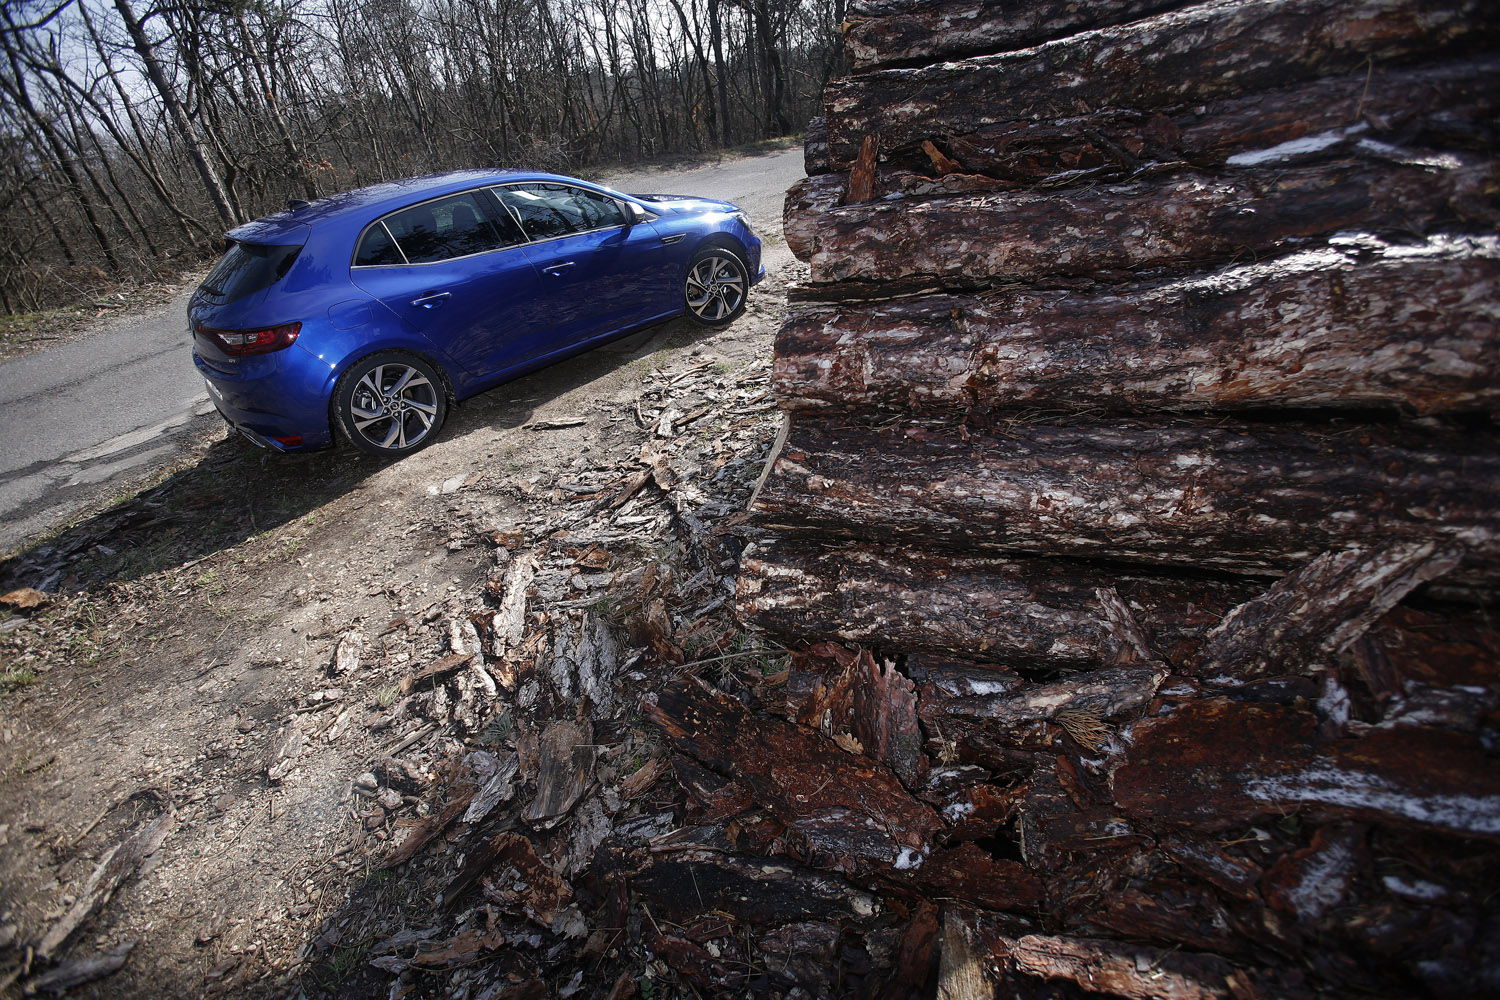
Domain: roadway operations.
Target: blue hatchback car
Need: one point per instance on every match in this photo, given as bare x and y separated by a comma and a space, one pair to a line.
374, 310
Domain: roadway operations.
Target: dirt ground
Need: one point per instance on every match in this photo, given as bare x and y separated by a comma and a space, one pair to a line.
181, 673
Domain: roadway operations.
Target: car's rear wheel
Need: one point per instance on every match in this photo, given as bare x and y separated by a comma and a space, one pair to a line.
716, 286
390, 404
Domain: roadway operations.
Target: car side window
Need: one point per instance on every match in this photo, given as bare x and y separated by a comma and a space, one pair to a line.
456, 226
550, 210
377, 248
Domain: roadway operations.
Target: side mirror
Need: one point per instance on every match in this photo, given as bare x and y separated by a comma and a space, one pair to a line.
634, 214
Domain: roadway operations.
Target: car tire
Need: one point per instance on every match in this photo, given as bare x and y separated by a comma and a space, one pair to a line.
390, 404
716, 287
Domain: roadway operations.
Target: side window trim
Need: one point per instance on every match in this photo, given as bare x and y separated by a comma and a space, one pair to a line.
495, 199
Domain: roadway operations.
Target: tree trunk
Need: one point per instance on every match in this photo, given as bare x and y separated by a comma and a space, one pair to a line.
16, 87
1451, 104
1373, 325
1246, 499
721, 70
1152, 63
976, 240
296, 160
881, 33
689, 32
1216, 764
141, 155
180, 122
1017, 611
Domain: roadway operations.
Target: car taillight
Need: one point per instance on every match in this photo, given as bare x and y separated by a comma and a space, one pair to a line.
241, 343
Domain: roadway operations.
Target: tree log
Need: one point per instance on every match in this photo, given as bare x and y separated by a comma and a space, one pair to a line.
806, 203
1423, 647
881, 33
1026, 611
1449, 105
1310, 615
1250, 499
979, 240
1185, 915
1235, 876
815, 147
1157, 62
1213, 765
1367, 325
1118, 969
844, 694
1109, 693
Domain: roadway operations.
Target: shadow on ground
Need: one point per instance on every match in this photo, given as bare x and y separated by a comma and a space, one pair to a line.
235, 491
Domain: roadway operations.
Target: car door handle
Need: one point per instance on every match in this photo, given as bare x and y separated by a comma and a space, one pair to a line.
558, 268
432, 299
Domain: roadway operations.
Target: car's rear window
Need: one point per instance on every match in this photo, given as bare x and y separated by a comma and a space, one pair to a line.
248, 268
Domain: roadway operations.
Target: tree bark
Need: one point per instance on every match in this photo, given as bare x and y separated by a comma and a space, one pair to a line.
843, 808
1108, 693
1157, 62
815, 147
1450, 104
1367, 325
1246, 499
1014, 611
881, 33
806, 203
1212, 765
1118, 969
1310, 615
979, 240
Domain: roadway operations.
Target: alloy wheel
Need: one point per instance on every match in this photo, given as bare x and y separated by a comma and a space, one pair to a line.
394, 407
716, 287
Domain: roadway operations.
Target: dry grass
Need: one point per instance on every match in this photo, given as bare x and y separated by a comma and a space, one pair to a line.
1086, 728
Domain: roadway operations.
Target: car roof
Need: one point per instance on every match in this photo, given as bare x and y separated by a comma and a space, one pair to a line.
370, 202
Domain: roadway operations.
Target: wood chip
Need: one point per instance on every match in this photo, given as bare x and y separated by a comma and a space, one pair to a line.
348, 653
113, 869
552, 425
438, 668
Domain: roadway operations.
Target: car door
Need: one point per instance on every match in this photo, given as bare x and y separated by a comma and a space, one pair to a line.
456, 271
599, 275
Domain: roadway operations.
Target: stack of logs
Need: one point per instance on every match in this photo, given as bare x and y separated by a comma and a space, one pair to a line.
1141, 424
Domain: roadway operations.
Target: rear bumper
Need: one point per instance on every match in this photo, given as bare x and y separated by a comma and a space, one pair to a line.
268, 404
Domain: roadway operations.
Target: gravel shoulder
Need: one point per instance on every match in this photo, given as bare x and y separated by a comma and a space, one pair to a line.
181, 665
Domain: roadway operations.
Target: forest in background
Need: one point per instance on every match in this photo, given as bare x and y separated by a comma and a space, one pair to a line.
133, 135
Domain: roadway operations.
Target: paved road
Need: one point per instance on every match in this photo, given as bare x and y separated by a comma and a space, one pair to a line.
86, 418
95, 417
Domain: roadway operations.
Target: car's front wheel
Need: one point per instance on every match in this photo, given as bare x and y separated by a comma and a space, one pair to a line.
716, 286
390, 404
